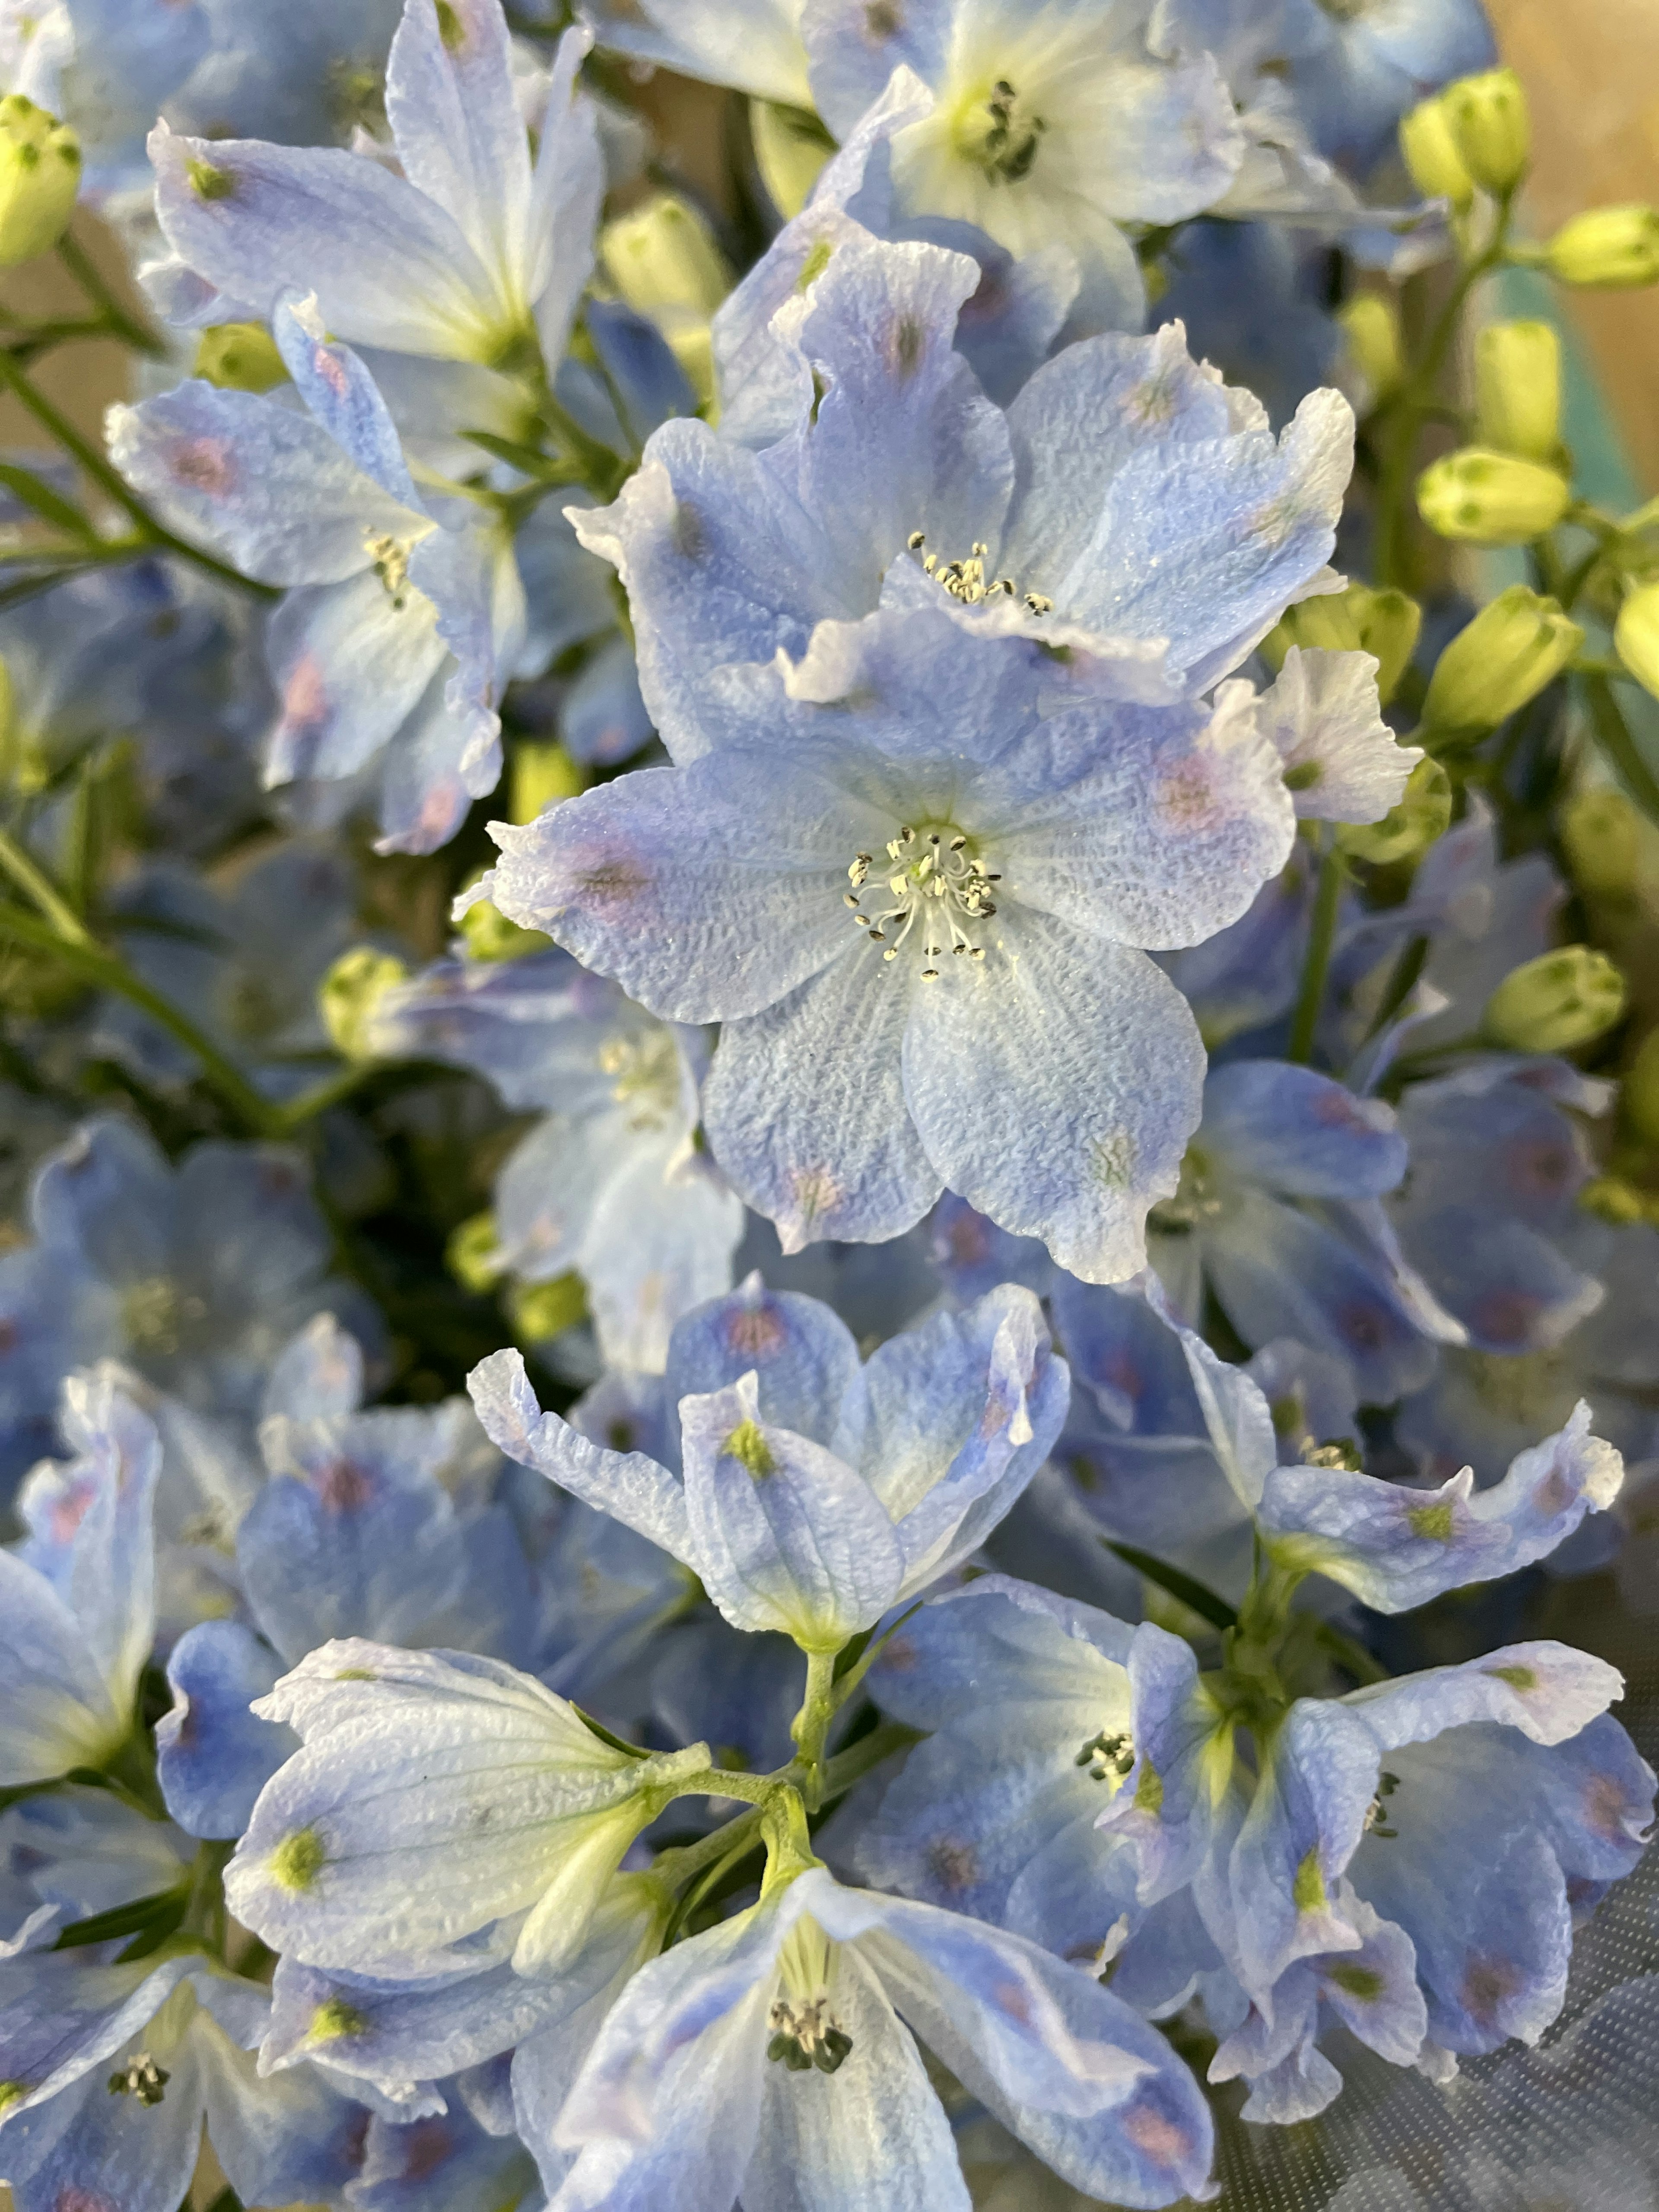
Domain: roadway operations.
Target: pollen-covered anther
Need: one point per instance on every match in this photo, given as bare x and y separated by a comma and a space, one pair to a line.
140, 2077
804, 2036
1001, 135
1376, 1812
966, 579
1109, 1756
936, 878
389, 557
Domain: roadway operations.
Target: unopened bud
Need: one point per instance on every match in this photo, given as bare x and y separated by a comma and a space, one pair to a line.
1517, 384
791, 148
1430, 154
473, 1253
1555, 1003
348, 995
489, 935
1636, 635
664, 261
1601, 834
1611, 246
1359, 619
1610, 1198
240, 357
1515, 645
544, 775
1488, 498
1491, 127
39, 176
1371, 325
539, 1311
1406, 831
1638, 1094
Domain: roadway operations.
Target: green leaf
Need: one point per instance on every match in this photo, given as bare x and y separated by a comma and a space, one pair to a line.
526, 459
1194, 1595
145, 1916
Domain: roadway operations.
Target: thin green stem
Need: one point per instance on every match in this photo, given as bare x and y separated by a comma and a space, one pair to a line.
110, 973
812, 1723
1316, 964
602, 470
37, 889
1612, 734
113, 316
108, 479
322, 1095
687, 1861
852, 1764
718, 1781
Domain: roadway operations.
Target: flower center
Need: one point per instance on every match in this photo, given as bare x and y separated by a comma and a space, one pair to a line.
1376, 1812
805, 2032
644, 1076
390, 558
965, 580
1107, 1756
936, 881
1000, 134
1197, 1200
140, 2077
153, 1314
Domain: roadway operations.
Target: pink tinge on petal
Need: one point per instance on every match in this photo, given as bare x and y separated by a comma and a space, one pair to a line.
343, 1486
333, 370
305, 697
206, 465
1184, 797
753, 1332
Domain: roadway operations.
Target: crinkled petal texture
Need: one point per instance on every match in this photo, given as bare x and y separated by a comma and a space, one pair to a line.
677, 2105
436, 1797
1342, 760
1396, 1547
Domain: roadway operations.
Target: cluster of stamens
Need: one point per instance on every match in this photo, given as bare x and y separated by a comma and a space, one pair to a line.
390, 558
935, 876
1107, 1756
804, 2036
644, 1076
965, 580
1376, 1812
1000, 138
140, 2077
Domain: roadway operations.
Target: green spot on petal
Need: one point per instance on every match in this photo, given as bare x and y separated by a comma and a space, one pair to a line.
298, 1859
747, 1444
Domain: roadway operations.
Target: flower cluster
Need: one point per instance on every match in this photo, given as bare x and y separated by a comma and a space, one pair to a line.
830, 1274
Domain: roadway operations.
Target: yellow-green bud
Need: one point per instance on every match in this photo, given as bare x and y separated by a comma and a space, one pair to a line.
348, 994
1636, 635
664, 261
473, 1253
1638, 1094
1487, 498
542, 775
1491, 127
537, 1310
1432, 156
490, 936
1612, 245
1360, 619
1601, 833
1518, 384
240, 357
1560, 1000
1610, 1198
1515, 646
1408, 831
1372, 327
39, 176
791, 148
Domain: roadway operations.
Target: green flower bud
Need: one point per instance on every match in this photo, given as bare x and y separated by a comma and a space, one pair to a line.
1488, 498
348, 994
39, 176
1431, 156
539, 1311
1610, 1198
664, 261
1638, 1094
1636, 635
791, 148
1560, 1000
1601, 833
1407, 831
1491, 127
1517, 383
1612, 245
1515, 646
1383, 623
240, 357
1372, 325
542, 775
473, 1253
490, 936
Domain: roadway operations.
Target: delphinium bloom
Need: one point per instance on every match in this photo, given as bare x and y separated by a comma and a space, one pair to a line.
611, 1182
888, 841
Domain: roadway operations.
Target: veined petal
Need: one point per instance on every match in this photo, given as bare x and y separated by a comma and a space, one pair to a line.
567, 192
460, 139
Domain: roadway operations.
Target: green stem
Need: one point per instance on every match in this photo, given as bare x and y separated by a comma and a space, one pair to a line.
687, 1861
114, 316
1612, 734
1321, 937
90, 961
322, 1095
812, 1723
852, 1764
109, 480
602, 471
718, 1781
1402, 979
37, 889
